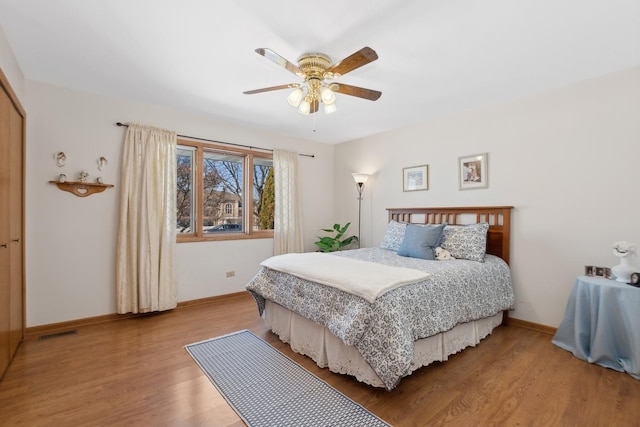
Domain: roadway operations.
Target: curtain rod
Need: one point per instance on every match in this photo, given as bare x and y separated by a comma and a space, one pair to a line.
222, 142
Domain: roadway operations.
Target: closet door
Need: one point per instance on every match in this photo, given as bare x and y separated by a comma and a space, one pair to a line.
5, 351
12, 120
16, 215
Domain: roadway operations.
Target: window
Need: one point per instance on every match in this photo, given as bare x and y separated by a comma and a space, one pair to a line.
184, 184
213, 185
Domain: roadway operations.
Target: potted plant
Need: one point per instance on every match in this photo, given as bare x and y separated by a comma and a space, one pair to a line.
335, 242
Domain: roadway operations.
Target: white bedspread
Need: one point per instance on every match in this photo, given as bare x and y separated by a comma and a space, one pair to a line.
365, 279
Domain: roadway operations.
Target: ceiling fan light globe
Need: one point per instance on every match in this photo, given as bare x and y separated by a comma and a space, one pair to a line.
327, 95
330, 108
295, 97
304, 108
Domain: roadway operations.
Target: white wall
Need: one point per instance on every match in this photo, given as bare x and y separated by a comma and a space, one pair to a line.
568, 160
71, 240
10, 67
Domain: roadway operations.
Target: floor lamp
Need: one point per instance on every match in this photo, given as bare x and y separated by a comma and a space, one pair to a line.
360, 179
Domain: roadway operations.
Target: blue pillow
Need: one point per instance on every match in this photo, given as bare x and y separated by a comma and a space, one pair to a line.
421, 240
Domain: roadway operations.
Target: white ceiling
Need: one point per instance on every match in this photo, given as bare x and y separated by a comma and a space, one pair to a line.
435, 56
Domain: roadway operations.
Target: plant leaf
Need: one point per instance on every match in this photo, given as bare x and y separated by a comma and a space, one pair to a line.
335, 243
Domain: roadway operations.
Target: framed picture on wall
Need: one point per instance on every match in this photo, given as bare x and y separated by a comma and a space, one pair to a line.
473, 172
415, 178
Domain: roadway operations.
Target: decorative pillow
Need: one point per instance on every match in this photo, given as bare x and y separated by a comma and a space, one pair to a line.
466, 241
420, 241
394, 235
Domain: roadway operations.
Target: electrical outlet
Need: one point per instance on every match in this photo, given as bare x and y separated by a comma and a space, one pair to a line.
231, 273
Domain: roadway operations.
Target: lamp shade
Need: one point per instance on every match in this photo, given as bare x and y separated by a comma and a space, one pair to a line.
327, 95
305, 107
330, 108
295, 97
360, 178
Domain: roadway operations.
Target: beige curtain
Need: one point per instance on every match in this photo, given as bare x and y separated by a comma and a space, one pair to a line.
288, 213
145, 276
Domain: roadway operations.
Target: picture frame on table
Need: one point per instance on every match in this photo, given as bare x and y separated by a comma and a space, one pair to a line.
593, 270
415, 178
473, 172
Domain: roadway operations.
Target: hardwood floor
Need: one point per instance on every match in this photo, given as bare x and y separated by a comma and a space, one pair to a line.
136, 372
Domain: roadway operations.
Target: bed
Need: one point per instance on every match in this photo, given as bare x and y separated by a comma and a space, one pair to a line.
437, 309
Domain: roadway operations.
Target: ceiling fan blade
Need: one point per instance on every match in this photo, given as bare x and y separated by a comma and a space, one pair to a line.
360, 92
279, 60
353, 61
269, 89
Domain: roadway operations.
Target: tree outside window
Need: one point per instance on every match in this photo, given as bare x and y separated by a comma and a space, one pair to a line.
184, 188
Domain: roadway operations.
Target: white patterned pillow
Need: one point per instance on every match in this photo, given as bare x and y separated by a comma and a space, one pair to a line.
394, 235
466, 241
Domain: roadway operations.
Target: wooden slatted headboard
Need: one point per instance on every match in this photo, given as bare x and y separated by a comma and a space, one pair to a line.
498, 217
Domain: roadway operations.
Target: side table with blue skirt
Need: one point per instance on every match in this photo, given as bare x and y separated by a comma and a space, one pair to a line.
602, 324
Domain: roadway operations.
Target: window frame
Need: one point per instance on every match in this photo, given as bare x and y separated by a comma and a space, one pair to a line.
248, 232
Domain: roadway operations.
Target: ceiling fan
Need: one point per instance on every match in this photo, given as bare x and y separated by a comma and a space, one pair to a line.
318, 72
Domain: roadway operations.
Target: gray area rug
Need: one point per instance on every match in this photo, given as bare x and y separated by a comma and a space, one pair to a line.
268, 389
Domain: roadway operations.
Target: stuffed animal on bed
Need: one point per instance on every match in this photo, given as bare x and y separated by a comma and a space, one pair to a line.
442, 254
